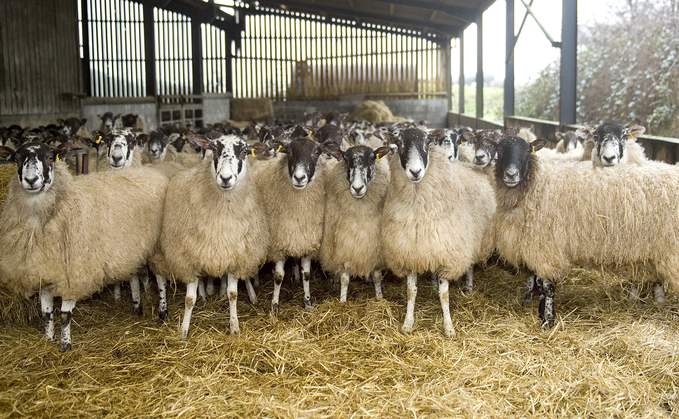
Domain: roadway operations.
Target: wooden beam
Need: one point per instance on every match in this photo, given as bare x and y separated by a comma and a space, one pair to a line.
459, 13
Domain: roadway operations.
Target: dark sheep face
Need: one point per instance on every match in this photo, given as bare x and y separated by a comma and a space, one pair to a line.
413, 147
303, 155
610, 141
513, 155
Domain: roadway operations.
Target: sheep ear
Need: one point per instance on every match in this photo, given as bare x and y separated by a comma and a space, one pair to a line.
199, 140
383, 151
279, 147
6, 153
558, 135
167, 140
62, 150
258, 148
583, 133
142, 139
636, 130
509, 131
333, 149
537, 145
469, 137
436, 135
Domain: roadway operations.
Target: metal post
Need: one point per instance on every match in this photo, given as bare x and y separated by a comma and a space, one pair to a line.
509, 64
479, 66
448, 81
460, 80
85, 69
197, 57
149, 50
569, 63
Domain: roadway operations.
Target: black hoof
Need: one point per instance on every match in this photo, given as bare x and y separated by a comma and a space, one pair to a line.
162, 315
63, 347
274, 308
307, 303
547, 324
527, 299
139, 311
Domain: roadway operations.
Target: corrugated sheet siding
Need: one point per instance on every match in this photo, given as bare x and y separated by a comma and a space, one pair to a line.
39, 56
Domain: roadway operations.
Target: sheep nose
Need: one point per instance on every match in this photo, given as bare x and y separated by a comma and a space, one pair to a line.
358, 190
512, 173
117, 159
299, 179
226, 179
415, 172
32, 180
608, 159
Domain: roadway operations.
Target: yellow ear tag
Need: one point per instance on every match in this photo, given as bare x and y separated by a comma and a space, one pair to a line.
310, 134
98, 139
58, 159
532, 150
253, 152
378, 158
632, 137
463, 143
280, 147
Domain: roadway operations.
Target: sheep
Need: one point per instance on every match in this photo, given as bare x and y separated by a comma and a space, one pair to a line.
615, 219
293, 187
214, 223
615, 145
120, 146
483, 141
355, 191
69, 237
567, 141
133, 122
109, 122
434, 216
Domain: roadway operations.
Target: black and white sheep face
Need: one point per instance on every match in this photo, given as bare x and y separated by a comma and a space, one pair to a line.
303, 155
228, 160
35, 167
449, 141
610, 141
570, 140
359, 162
513, 155
157, 144
121, 145
108, 121
413, 148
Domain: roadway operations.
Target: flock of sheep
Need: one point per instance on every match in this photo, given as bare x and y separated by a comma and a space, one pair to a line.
358, 197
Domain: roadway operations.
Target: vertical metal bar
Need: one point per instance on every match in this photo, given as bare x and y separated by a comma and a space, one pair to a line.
447, 74
197, 57
479, 65
85, 66
509, 64
460, 80
569, 61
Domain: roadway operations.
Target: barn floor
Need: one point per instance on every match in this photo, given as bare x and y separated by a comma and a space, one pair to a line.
606, 357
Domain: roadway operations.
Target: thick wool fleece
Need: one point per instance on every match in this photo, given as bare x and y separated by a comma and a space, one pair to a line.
81, 234
295, 216
351, 231
209, 231
436, 225
169, 156
585, 216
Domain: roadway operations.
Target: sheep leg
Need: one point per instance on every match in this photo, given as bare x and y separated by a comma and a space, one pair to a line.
136, 295
335, 282
344, 280
278, 275
659, 293
145, 275
435, 280
410, 308
67, 307
255, 280
201, 289
444, 296
191, 294
232, 291
547, 304
531, 288
252, 295
377, 281
296, 271
162, 291
210, 288
468, 286
47, 308
222, 289
306, 276
116, 291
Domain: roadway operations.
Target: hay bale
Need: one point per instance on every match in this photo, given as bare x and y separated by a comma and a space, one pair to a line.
252, 109
7, 171
374, 111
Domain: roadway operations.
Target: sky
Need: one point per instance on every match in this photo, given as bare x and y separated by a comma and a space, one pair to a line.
533, 50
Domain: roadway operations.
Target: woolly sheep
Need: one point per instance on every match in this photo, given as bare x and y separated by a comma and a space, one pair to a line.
214, 223
355, 191
293, 188
53, 223
617, 219
434, 216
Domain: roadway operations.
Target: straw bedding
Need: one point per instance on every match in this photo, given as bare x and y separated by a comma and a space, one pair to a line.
606, 357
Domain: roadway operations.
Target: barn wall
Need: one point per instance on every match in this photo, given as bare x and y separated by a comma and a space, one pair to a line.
40, 68
433, 111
